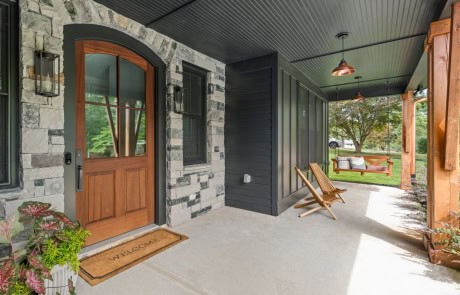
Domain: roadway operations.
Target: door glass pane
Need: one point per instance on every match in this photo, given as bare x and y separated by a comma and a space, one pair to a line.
132, 130
101, 78
101, 131
132, 85
4, 162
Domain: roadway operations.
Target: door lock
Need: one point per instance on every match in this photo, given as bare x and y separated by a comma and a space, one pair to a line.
68, 158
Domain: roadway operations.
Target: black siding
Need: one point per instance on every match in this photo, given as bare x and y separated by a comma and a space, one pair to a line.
248, 134
275, 120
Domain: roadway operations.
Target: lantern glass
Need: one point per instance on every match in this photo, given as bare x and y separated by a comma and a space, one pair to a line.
47, 69
178, 99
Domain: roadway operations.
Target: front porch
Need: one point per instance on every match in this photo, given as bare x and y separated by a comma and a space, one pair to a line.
370, 250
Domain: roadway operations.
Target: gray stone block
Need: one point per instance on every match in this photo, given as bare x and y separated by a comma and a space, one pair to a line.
30, 115
47, 160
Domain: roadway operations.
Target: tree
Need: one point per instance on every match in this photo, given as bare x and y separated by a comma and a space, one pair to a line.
359, 120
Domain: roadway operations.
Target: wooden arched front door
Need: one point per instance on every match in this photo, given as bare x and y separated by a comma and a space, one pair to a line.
115, 139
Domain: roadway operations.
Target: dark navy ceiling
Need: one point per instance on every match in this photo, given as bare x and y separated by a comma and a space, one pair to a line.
302, 31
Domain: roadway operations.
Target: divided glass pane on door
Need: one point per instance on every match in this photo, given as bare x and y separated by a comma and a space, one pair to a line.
101, 115
132, 113
114, 107
101, 78
101, 131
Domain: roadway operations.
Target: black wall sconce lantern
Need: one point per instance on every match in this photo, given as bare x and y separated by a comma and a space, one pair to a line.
47, 71
178, 96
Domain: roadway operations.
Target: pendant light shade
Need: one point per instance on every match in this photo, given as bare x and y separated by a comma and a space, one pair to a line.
358, 97
343, 68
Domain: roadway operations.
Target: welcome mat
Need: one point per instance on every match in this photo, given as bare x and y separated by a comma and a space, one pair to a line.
106, 264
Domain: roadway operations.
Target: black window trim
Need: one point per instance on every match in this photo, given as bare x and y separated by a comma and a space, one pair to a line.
202, 159
12, 92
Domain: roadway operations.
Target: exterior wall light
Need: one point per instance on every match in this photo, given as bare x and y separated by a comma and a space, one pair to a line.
47, 70
178, 96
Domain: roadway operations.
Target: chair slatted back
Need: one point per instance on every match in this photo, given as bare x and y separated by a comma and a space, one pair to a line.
310, 187
323, 181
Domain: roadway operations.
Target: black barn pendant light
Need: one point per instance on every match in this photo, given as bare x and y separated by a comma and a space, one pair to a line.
358, 97
343, 68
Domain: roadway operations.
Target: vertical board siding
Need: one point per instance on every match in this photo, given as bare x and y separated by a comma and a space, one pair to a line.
273, 123
286, 133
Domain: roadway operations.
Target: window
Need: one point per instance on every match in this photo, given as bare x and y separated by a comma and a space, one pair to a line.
8, 93
194, 115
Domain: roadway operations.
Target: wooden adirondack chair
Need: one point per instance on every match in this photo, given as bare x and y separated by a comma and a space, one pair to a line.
324, 182
325, 201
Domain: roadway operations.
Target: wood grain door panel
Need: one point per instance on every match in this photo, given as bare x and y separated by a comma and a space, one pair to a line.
118, 170
100, 196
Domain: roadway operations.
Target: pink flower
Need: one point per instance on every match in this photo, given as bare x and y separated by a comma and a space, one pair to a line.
6, 273
34, 282
48, 225
64, 219
35, 209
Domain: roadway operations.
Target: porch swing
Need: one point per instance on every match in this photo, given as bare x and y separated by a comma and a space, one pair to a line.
372, 164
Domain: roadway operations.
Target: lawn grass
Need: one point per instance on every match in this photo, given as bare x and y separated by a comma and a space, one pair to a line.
373, 178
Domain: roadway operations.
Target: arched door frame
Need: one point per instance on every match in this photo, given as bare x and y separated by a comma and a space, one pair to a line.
74, 32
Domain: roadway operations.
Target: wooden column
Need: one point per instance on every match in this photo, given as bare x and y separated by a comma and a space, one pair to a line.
453, 94
408, 140
442, 184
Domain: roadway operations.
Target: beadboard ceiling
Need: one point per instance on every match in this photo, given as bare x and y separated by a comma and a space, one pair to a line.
386, 35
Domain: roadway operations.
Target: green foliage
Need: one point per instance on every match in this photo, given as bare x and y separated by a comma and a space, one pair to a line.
422, 145
65, 249
448, 236
20, 288
358, 121
421, 120
100, 142
55, 239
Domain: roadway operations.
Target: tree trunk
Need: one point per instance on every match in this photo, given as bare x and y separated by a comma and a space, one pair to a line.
358, 147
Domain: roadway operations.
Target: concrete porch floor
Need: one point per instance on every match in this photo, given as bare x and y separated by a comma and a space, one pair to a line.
368, 250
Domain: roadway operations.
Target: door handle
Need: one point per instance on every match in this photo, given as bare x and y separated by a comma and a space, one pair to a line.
79, 178
79, 174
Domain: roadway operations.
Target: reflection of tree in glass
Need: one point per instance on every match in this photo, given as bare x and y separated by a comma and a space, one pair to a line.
99, 141
98, 133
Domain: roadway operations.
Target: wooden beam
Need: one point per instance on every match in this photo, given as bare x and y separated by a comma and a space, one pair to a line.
408, 139
437, 28
442, 184
453, 96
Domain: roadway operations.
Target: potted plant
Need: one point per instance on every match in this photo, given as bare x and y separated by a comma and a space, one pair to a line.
444, 247
51, 252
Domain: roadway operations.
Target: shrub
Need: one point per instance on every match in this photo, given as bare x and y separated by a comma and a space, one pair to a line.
422, 145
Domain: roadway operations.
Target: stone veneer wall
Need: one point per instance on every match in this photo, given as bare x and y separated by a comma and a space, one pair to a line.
191, 191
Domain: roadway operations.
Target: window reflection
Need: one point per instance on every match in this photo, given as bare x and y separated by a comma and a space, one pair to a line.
115, 123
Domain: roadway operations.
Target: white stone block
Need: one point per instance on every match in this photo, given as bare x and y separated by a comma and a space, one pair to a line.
26, 160
51, 118
56, 148
54, 186
207, 194
43, 173
57, 139
34, 141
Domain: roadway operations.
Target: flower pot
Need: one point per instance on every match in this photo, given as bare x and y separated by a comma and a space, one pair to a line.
440, 257
60, 282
